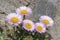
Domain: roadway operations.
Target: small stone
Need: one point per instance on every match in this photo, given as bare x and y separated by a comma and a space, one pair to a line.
29, 38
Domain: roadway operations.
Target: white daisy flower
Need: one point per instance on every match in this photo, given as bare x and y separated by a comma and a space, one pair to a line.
14, 19
46, 20
23, 10
40, 27
28, 25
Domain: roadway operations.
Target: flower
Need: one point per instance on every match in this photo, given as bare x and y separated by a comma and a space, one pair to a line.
23, 10
14, 19
40, 27
28, 25
46, 20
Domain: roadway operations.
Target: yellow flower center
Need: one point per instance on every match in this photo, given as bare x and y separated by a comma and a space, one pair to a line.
24, 11
39, 28
14, 19
45, 21
28, 25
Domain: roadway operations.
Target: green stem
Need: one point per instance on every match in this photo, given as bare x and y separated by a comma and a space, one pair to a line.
23, 17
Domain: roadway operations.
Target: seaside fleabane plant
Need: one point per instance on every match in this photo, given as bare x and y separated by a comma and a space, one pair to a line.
48, 21
40, 27
14, 19
26, 28
23, 10
28, 25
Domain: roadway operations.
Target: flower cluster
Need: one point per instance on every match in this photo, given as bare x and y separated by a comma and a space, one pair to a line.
28, 25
